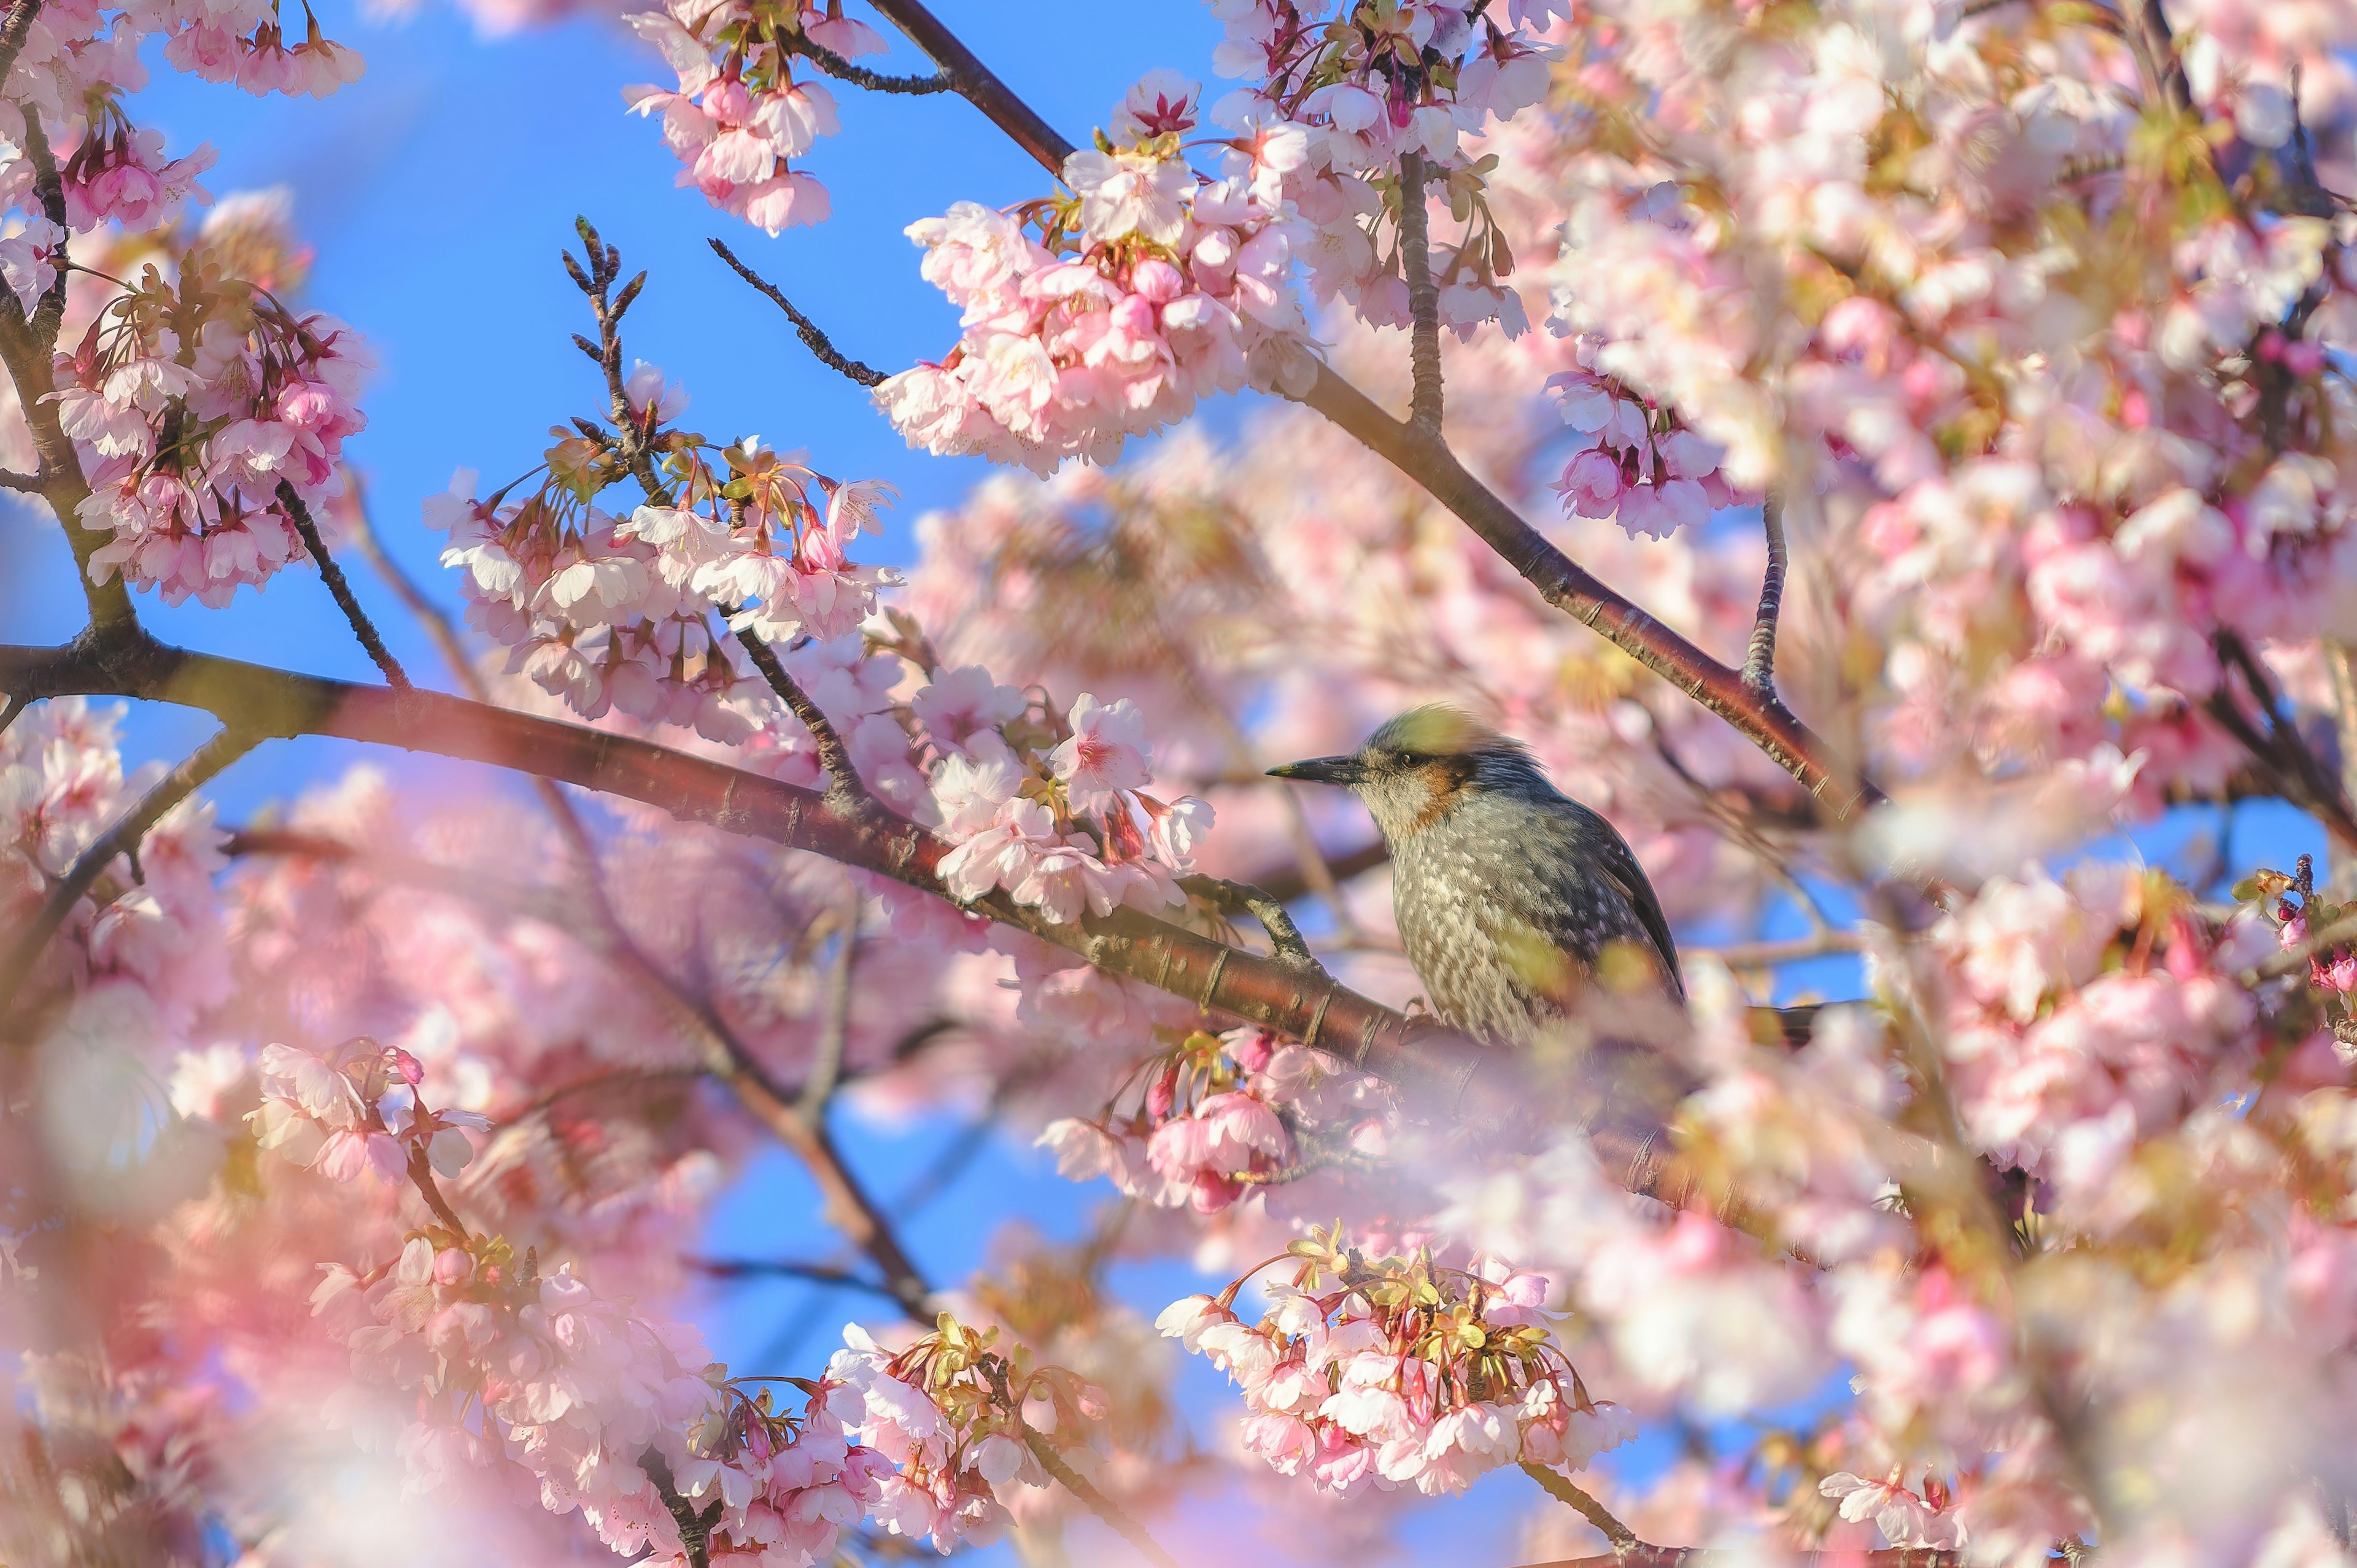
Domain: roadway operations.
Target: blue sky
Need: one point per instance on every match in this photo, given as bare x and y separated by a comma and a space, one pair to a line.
437, 192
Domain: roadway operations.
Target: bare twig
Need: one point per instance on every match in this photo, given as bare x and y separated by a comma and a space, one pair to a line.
834, 1026
1423, 297
842, 70
2281, 744
362, 627
813, 337
1768, 954
787, 1269
843, 781
1097, 1503
226, 747
1560, 1488
1759, 663
1242, 898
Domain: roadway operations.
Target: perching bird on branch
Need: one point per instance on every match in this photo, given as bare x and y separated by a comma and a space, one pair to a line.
1511, 897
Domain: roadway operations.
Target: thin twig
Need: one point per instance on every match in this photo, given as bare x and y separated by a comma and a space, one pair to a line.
1242, 898
1759, 663
1097, 1503
834, 1026
842, 70
787, 1269
843, 780
1560, 1488
1423, 297
362, 627
194, 771
421, 1176
1768, 954
813, 336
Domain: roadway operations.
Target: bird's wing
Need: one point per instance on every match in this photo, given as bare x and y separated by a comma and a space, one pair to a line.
1619, 862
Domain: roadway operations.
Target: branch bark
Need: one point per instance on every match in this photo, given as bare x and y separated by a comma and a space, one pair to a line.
1759, 663
1642, 1556
813, 336
1423, 297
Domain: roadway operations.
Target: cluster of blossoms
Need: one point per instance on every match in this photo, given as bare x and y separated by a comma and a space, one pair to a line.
962, 1423
738, 113
1908, 1519
1051, 810
244, 41
355, 1112
1385, 1372
1217, 1116
1147, 288
1361, 84
616, 612
609, 1412
2087, 1013
1635, 461
197, 405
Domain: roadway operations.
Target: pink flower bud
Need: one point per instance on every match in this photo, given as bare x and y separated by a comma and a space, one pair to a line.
453, 1266
1157, 280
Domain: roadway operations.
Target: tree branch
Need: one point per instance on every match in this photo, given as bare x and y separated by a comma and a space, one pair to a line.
1104, 1507
813, 337
1424, 457
13, 33
1423, 297
975, 82
1242, 898
842, 70
1642, 1556
1561, 1488
834, 1028
30, 484
226, 747
362, 627
2281, 744
1759, 663
843, 784
787, 1269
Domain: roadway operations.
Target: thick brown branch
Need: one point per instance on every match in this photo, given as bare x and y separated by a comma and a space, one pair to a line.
1441, 1073
1759, 663
30, 484
976, 84
124, 838
813, 336
1423, 297
26, 355
13, 33
333, 574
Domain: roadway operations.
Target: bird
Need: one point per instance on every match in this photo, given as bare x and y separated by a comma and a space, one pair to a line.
1512, 899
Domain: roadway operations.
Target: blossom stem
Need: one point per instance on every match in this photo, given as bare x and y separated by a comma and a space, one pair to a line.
813, 336
1423, 296
1759, 663
1104, 1507
333, 574
1560, 1488
227, 744
421, 1177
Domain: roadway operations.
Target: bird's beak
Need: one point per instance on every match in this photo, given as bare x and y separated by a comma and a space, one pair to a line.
1343, 770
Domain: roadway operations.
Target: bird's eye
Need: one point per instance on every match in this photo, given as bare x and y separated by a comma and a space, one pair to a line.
1410, 759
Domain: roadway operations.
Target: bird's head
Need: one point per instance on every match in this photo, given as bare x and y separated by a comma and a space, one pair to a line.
1421, 766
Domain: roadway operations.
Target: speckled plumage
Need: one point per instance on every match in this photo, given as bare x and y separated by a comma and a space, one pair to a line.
1507, 891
